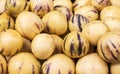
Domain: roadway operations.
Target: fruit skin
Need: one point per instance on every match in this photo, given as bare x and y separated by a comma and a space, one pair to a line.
15, 7
75, 45
77, 22
94, 30
110, 12
41, 7
55, 23
3, 65
58, 64
90, 64
10, 42
43, 46
108, 47
115, 68
28, 24
89, 12
2, 6
6, 22
24, 63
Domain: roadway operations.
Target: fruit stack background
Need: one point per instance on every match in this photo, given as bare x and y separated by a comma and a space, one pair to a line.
59, 36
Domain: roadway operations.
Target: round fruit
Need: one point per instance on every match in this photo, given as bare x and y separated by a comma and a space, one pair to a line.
75, 45
58, 64
94, 30
110, 12
88, 11
10, 42
108, 47
55, 23
43, 46
6, 22
91, 64
23, 63
28, 24
41, 7
15, 7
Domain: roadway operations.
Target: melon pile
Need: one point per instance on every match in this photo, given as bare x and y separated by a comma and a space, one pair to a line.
59, 36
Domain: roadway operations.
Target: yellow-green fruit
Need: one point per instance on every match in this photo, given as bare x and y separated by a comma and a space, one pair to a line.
110, 12
3, 65
115, 68
113, 24
43, 46
88, 11
94, 30
2, 6
6, 22
66, 3
41, 7
10, 42
58, 44
58, 64
115, 2
77, 22
28, 24
55, 23
64, 10
24, 63
15, 7
81, 3
108, 47
99, 4
75, 45
91, 64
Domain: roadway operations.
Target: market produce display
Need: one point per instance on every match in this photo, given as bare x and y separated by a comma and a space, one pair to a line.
59, 36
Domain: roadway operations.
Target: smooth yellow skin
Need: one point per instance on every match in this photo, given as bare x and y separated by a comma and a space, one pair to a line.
108, 47
41, 7
43, 46
55, 23
58, 63
88, 11
110, 12
6, 22
28, 24
15, 7
2, 6
76, 42
115, 68
58, 44
94, 30
91, 64
113, 24
80, 3
115, 2
100, 4
24, 63
10, 42
66, 3
3, 65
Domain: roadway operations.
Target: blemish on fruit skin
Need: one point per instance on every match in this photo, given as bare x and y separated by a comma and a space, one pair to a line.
68, 15
25, 5
59, 72
33, 71
112, 54
47, 68
48, 8
2, 69
79, 45
75, 6
37, 8
79, 21
71, 48
37, 25
20, 67
70, 72
1, 51
103, 52
9, 22
95, 11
